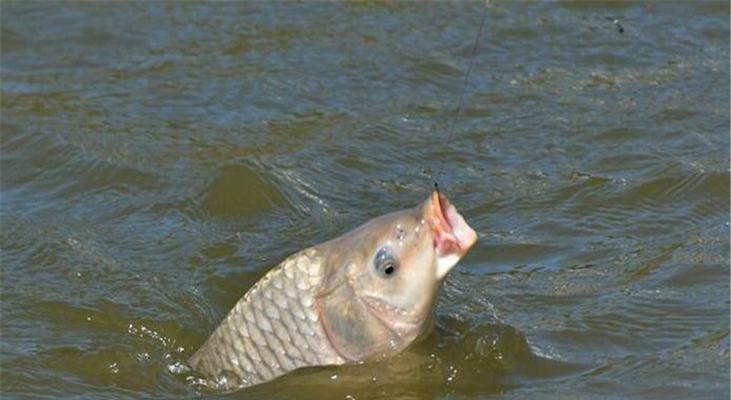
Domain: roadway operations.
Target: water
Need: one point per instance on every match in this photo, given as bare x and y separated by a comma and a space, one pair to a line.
157, 159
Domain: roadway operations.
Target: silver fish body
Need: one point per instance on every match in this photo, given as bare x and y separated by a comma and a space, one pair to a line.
272, 330
363, 296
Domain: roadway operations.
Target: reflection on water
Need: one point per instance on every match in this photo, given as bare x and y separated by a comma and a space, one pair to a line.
157, 159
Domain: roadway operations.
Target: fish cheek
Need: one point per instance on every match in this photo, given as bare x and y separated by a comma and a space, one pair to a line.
415, 284
352, 329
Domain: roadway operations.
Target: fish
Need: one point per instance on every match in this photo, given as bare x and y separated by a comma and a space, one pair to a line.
364, 296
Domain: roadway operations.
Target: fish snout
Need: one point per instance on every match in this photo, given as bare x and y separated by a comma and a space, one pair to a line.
453, 237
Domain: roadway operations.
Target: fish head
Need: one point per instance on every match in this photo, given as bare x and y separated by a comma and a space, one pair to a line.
406, 255
395, 266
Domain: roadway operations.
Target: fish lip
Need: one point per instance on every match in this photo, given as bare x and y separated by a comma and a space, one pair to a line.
451, 233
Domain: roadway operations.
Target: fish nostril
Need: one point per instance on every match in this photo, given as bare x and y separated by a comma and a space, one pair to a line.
400, 233
389, 270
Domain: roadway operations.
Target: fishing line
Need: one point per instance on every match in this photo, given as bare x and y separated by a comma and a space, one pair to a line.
466, 80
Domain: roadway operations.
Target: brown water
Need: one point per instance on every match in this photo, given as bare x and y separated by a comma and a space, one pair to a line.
156, 159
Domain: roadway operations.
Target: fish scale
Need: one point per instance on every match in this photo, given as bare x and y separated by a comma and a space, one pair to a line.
272, 330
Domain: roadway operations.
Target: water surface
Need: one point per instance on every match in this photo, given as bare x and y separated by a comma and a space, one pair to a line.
156, 159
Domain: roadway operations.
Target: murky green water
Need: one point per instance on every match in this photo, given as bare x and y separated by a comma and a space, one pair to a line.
158, 158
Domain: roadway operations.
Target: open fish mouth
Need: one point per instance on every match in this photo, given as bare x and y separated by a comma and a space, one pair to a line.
452, 235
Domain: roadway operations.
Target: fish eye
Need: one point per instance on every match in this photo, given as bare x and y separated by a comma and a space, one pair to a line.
385, 263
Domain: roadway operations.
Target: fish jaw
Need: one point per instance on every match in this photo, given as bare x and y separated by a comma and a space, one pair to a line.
453, 237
